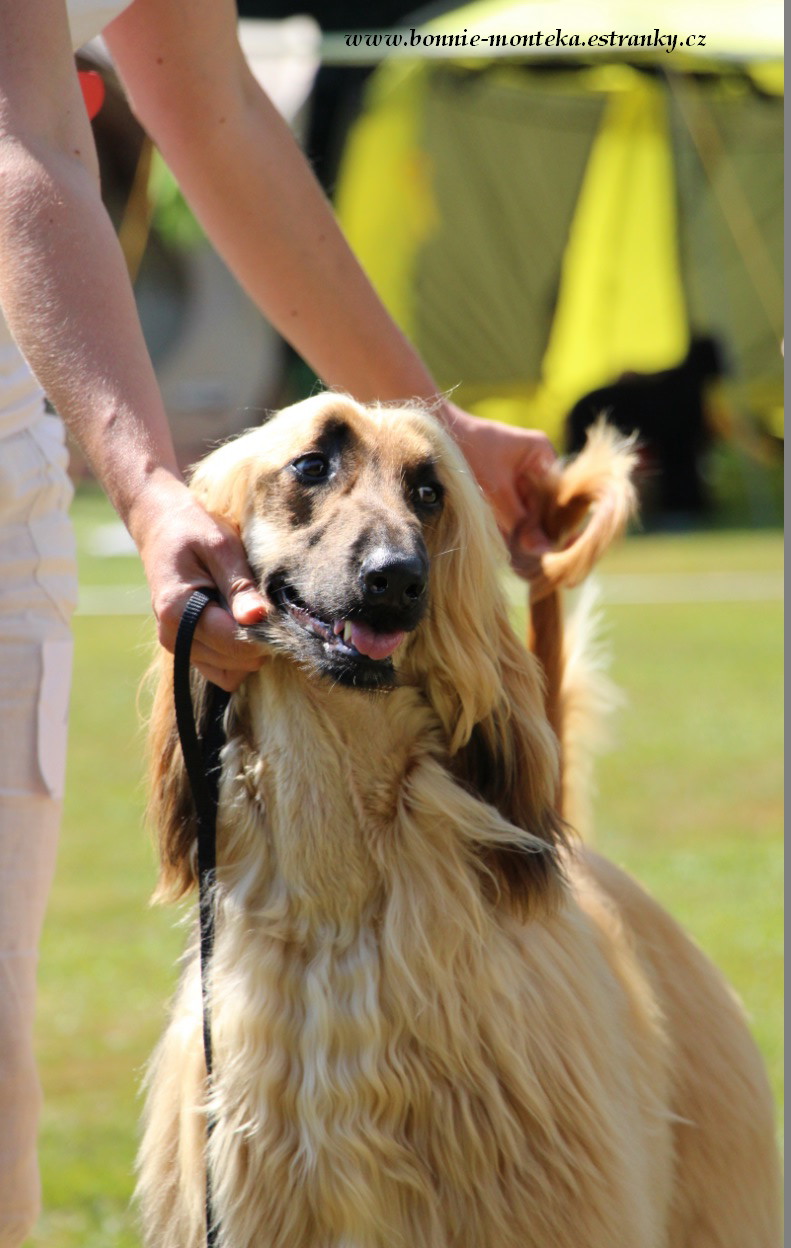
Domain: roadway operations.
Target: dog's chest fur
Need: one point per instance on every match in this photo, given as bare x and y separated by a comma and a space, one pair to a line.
369, 1010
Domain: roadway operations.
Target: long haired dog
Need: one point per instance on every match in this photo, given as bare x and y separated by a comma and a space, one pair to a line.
435, 1023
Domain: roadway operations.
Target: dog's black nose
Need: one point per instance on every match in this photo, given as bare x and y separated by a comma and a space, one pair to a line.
392, 580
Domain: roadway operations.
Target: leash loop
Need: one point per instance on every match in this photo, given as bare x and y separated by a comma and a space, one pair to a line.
202, 762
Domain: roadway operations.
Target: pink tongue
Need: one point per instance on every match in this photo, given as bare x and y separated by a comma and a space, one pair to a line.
374, 645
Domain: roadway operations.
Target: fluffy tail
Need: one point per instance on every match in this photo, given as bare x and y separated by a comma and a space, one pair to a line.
586, 505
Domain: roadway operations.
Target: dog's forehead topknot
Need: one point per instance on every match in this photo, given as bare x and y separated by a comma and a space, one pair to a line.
395, 437
402, 432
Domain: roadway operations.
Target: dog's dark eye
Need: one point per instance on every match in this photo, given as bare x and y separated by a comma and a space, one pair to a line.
429, 495
311, 467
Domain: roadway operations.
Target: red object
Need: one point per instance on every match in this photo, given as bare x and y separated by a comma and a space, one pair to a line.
92, 86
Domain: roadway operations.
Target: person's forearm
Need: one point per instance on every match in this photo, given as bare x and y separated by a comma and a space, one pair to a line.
66, 295
257, 198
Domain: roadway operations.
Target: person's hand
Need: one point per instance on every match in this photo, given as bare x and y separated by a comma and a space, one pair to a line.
183, 548
511, 466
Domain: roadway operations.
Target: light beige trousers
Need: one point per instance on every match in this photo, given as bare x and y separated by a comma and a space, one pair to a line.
38, 591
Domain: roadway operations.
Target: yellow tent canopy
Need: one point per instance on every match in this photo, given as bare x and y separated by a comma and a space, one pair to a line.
539, 225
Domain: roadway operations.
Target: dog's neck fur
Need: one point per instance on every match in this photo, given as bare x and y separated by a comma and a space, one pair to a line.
324, 768
349, 850
378, 996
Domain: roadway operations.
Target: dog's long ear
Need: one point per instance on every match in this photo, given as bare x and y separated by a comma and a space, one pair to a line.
487, 691
221, 482
171, 811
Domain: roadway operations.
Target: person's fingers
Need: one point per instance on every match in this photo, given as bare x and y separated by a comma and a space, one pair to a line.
541, 455
528, 533
528, 541
247, 604
229, 681
532, 479
247, 658
227, 563
535, 464
530, 538
218, 560
217, 639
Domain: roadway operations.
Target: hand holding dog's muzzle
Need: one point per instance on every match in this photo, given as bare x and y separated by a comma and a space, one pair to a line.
184, 548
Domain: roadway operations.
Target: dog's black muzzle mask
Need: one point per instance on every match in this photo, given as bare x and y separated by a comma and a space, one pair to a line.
350, 628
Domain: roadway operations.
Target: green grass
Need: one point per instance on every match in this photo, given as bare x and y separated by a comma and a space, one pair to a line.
690, 801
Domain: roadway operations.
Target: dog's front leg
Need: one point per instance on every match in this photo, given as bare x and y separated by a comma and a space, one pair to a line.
171, 1162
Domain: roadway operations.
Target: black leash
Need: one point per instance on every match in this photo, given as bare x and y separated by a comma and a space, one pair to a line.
202, 761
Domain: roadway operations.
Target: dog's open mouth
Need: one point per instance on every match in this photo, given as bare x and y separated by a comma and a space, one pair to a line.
348, 636
345, 642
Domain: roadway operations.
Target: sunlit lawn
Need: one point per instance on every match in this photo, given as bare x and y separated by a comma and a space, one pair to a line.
690, 800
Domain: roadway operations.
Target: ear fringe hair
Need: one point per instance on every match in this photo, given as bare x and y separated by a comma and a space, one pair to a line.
597, 484
171, 811
487, 692
222, 483
588, 698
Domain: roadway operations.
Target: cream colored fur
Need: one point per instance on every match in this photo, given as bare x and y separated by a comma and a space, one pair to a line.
588, 701
407, 1054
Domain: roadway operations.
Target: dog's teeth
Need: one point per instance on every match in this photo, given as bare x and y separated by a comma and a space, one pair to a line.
347, 631
338, 627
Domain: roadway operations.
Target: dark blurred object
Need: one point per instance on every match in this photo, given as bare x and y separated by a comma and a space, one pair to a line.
118, 135
332, 14
668, 412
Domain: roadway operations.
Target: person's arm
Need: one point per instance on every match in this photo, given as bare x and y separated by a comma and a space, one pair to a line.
255, 194
253, 191
65, 292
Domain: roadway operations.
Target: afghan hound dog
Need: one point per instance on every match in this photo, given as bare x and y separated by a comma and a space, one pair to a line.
438, 1020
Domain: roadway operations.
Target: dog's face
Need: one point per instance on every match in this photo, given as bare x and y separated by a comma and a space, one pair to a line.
341, 519
381, 563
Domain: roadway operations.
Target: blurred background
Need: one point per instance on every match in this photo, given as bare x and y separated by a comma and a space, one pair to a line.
561, 233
